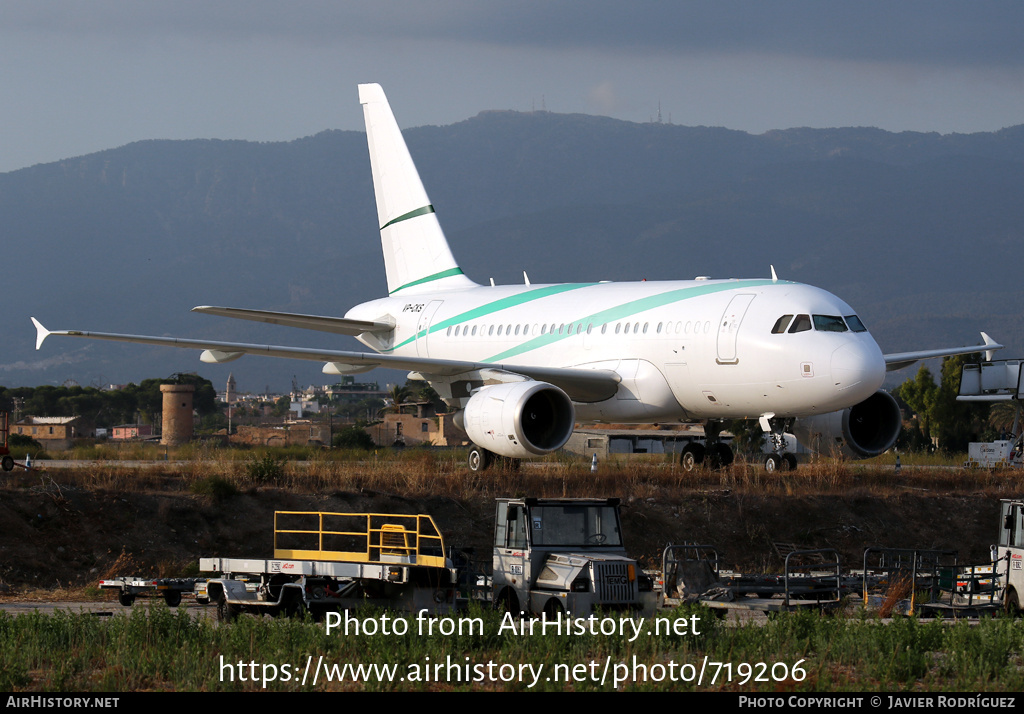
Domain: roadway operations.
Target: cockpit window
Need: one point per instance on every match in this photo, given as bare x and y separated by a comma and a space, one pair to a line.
829, 323
855, 324
802, 323
781, 324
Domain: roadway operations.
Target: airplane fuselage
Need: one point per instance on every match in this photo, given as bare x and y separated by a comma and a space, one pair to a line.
685, 350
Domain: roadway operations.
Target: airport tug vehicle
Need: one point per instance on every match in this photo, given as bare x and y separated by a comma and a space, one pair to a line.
564, 556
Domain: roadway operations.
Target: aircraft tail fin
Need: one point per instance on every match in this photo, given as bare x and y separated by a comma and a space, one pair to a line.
416, 254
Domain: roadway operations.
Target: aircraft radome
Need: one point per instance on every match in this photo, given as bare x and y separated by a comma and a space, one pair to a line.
522, 364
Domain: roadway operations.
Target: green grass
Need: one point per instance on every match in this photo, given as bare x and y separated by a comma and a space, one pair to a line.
162, 649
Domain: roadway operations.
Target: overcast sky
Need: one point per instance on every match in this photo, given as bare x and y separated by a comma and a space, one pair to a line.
79, 76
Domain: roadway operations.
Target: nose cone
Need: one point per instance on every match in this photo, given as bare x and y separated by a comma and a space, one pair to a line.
858, 368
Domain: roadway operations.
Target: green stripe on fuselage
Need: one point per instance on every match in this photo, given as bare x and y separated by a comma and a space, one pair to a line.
493, 307
628, 309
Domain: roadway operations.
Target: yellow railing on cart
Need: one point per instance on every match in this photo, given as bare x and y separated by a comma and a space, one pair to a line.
384, 538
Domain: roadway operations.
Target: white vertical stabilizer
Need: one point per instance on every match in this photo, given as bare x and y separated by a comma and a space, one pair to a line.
416, 254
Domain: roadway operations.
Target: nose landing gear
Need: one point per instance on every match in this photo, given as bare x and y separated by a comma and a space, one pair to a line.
780, 459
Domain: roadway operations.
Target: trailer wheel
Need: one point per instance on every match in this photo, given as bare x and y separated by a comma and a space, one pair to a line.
7, 462
172, 598
1011, 603
296, 608
125, 598
225, 612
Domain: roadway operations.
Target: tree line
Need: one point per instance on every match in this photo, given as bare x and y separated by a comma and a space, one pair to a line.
105, 408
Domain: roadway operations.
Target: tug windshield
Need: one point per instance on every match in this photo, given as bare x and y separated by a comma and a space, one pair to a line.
575, 525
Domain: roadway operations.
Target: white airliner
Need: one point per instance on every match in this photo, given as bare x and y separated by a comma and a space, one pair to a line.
523, 363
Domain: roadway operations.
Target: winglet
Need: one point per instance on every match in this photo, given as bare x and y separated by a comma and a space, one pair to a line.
992, 345
41, 332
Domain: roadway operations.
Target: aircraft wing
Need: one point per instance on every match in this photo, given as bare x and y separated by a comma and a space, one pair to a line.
899, 360
337, 325
582, 385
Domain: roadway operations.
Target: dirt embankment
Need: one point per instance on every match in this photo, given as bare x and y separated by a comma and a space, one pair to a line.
54, 534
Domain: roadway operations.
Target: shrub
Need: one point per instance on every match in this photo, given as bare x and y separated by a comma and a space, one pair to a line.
264, 469
353, 437
216, 487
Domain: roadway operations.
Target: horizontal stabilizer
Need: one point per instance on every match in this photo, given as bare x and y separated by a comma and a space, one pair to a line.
337, 325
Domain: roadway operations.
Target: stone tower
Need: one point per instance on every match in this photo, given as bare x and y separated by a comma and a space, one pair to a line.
178, 422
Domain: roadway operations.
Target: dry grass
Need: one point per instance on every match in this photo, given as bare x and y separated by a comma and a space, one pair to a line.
899, 590
416, 473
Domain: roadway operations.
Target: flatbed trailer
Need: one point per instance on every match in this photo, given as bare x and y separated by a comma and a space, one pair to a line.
930, 582
810, 579
326, 562
171, 589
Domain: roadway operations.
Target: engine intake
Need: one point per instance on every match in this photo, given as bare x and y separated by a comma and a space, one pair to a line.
862, 431
519, 419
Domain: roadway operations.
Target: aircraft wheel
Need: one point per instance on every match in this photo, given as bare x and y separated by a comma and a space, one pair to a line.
7, 462
479, 459
720, 456
790, 462
692, 457
772, 463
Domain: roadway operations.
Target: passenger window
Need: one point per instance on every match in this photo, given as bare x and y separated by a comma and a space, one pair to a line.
781, 324
802, 323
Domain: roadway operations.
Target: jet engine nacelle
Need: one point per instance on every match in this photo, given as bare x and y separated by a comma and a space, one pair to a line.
862, 431
519, 419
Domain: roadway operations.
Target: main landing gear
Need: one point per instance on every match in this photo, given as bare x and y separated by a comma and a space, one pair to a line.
713, 454
480, 459
780, 460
